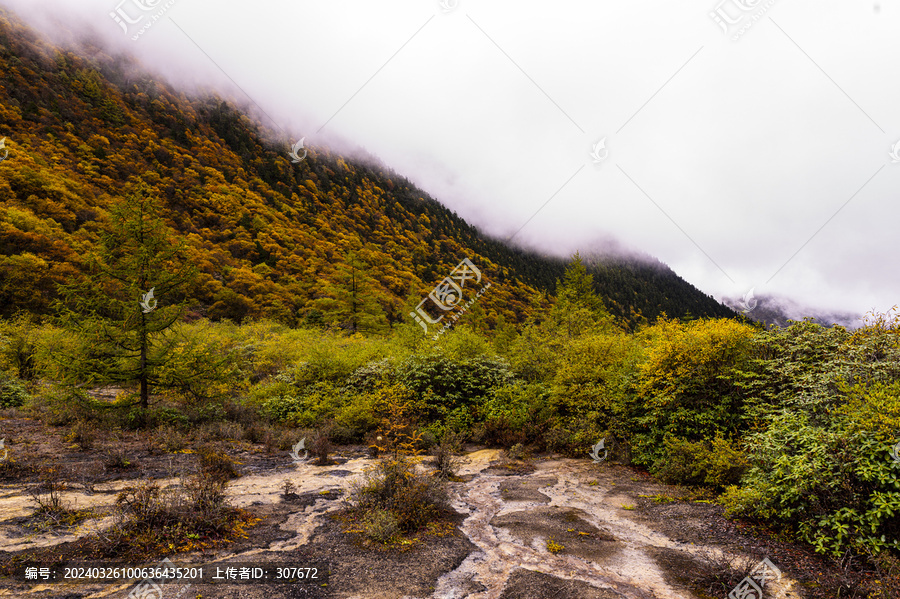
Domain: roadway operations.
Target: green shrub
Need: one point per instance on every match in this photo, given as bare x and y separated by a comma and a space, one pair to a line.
162, 415
713, 464
281, 408
445, 384
333, 359
460, 420
13, 393
19, 337
137, 417
574, 436
691, 384
514, 414
381, 525
282, 385
309, 408
593, 377
355, 418
831, 480
369, 377
61, 405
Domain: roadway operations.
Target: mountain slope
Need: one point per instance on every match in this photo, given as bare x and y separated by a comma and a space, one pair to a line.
645, 285
270, 238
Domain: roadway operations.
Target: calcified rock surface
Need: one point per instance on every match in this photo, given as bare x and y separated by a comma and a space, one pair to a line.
509, 519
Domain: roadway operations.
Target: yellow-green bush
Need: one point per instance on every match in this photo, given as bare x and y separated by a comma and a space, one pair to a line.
13, 392
591, 391
690, 384
713, 464
355, 418
394, 486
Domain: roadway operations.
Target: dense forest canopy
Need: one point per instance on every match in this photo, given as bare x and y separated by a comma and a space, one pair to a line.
270, 238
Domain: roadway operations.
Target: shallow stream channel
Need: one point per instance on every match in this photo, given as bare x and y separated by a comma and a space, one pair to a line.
566, 529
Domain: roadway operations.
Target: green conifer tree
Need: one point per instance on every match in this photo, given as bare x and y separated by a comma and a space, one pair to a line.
351, 301
123, 309
578, 307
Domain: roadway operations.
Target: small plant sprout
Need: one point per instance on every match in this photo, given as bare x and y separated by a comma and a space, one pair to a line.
288, 489
554, 547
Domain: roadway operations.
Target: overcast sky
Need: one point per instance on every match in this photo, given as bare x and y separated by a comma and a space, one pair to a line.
753, 157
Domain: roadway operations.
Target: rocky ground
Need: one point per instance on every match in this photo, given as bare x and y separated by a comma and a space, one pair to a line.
554, 528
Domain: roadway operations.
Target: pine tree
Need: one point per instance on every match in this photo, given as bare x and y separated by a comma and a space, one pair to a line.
351, 300
578, 307
122, 310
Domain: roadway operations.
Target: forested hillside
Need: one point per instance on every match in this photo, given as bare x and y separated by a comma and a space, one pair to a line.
270, 238
643, 284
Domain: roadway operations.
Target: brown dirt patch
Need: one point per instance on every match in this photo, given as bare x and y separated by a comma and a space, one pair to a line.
565, 526
527, 489
526, 584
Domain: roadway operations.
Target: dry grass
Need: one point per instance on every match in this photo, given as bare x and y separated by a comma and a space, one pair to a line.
446, 454
51, 511
151, 521
215, 463
393, 485
320, 445
82, 434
